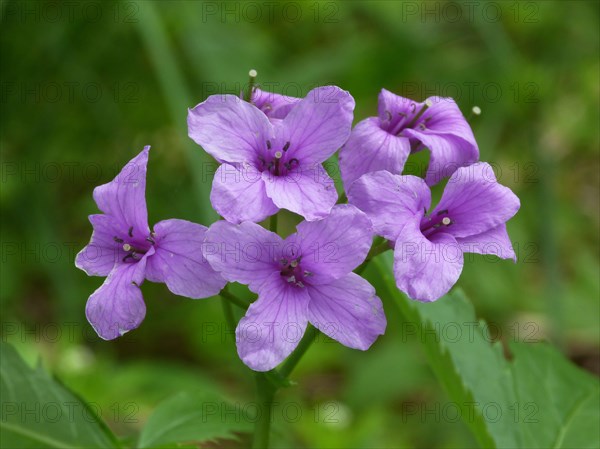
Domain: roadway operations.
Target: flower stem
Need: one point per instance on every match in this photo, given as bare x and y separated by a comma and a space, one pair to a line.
309, 337
262, 427
273, 223
232, 299
266, 389
375, 251
343, 198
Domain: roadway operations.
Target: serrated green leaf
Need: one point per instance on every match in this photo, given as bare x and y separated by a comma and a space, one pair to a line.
193, 417
537, 400
39, 412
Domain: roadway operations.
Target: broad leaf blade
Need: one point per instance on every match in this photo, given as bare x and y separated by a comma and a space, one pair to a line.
39, 412
538, 400
193, 417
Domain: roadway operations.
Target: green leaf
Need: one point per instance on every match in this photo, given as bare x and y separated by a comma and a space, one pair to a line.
191, 417
39, 412
539, 399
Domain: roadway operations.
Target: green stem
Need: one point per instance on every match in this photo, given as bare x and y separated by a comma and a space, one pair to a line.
231, 298
309, 337
266, 393
273, 223
375, 251
343, 198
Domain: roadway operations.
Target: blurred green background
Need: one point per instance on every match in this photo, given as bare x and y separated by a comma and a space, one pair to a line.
85, 85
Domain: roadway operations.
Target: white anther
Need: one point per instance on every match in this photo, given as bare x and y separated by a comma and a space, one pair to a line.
278, 155
476, 110
446, 221
252, 73
127, 247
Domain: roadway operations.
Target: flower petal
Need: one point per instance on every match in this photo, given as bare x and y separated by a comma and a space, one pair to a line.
390, 200
476, 202
495, 242
274, 106
178, 260
238, 194
273, 325
99, 256
245, 253
334, 246
371, 149
448, 136
347, 310
117, 306
309, 191
229, 129
426, 269
317, 125
124, 198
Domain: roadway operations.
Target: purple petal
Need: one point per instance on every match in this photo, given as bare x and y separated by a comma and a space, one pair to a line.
390, 200
426, 269
317, 125
238, 194
100, 255
309, 191
229, 129
178, 260
495, 242
448, 136
370, 149
273, 325
347, 310
245, 253
334, 246
475, 202
274, 106
124, 198
117, 306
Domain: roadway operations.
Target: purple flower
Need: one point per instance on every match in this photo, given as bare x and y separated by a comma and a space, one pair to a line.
124, 249
305, 278
267, 166
470, 217
274, 106
404, 126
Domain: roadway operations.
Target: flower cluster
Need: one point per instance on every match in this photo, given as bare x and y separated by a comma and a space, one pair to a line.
271, 150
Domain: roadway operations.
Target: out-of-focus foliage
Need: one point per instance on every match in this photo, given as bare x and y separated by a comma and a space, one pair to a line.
82, 92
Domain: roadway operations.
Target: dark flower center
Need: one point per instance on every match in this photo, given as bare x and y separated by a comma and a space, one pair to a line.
413, 119
430, 225
293, 273
278, 163
134, 247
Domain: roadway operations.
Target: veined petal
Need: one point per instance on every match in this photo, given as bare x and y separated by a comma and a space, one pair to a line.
426, 269
308, 191
178, 260
390, 201
370, 149
273, 325
494, 242
447, 134
317, 125
245, 252
229, 129
334, 246
100, 255
118, 306
274, 106
347, 310
239, 194
124, 198
476, 202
